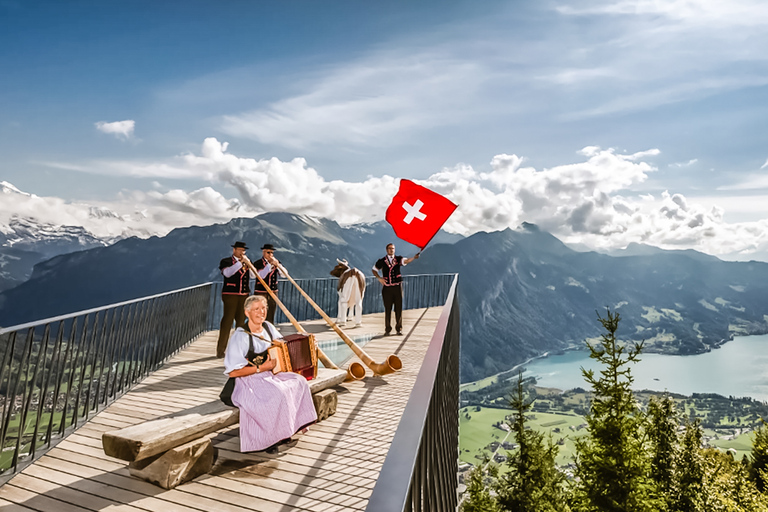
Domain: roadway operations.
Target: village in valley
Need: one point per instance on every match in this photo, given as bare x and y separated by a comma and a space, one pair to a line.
485, 414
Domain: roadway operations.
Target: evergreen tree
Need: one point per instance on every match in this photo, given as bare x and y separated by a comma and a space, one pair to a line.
612, 468
727, 486
662, 435
689, 494
533, 482
478, 495
758, 459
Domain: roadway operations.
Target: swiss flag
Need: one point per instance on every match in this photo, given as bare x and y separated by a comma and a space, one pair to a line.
416, 213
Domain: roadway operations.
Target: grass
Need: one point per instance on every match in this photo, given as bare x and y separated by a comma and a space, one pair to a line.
478, 384
476, 433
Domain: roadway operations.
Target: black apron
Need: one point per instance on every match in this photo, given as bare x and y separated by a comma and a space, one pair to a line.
252, 356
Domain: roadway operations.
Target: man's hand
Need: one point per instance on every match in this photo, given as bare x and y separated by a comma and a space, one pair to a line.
381, 280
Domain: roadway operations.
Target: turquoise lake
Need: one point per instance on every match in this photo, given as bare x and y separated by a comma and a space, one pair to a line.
738, 368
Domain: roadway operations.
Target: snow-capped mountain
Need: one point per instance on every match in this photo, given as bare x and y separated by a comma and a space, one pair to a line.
24, 242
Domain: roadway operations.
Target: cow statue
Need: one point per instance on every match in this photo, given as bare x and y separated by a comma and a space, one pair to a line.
351, 288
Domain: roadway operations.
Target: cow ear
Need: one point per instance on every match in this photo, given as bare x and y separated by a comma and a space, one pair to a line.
338, 260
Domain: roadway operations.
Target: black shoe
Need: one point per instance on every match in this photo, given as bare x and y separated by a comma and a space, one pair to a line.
272, 449
399, 333
387, 333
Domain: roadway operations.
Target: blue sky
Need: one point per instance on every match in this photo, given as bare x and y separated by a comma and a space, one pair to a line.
179, 113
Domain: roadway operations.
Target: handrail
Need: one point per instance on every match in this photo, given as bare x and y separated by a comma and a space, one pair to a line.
5, 330
57, 372
420, 471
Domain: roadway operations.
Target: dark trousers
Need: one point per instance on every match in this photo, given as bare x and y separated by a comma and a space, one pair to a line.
393, 296
271, 306
234, 311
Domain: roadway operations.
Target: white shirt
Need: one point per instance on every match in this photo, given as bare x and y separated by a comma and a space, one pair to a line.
237, 348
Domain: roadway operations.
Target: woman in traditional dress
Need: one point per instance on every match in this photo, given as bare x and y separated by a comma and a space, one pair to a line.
273, 407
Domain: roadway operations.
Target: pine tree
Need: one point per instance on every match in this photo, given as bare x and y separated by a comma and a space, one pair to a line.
662, 436
478, 496
612, 468
758, 458
533, 482
689, 495
726, 485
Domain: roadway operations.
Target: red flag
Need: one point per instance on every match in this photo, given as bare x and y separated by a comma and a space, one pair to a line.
417, 214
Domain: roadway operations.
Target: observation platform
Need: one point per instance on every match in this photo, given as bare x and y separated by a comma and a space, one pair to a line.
334, 466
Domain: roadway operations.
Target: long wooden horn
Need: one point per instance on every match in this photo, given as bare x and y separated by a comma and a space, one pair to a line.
392, 363
355, 370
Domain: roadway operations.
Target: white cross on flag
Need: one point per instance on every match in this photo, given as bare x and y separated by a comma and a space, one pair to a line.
417, 214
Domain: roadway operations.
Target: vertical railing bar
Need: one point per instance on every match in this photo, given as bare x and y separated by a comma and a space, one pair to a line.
60, 373
26, 400
114, 341
73, 371
90, 342
123, 344
7, 363
44, 378
153, 348
99, 359
145, 342
130, 342
9, 396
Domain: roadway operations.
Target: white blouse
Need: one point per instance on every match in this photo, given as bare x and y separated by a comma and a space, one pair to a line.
237, 348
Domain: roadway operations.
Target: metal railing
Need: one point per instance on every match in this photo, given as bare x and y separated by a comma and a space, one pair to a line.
419, 291
57, 372
420, 471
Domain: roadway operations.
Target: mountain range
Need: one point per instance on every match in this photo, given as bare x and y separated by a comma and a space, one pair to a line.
25, 242
523, 292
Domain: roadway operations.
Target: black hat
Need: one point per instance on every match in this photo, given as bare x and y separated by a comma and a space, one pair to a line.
238, 245
268, 247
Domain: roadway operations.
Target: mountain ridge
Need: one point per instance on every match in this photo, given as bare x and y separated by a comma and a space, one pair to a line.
523, 292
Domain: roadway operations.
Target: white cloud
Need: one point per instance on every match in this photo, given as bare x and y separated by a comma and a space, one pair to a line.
373, 102
591, 201
684, 164
120, 129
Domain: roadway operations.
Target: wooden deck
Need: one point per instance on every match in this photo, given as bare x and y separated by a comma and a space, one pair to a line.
332, 467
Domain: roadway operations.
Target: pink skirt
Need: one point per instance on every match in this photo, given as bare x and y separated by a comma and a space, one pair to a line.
272, 408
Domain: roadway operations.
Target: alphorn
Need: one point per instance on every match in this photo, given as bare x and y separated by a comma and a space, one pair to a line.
391, 364
355, 370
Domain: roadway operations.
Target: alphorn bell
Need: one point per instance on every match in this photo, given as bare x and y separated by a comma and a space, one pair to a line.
355, 370
392, 363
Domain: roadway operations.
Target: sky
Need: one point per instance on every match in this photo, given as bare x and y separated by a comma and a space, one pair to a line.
605, 122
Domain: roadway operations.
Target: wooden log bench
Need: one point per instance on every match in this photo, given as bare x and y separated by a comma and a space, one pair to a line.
171, 450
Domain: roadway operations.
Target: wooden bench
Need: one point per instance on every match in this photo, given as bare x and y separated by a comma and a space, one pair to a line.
171, 450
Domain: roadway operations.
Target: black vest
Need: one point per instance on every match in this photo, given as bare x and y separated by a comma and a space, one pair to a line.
391, 273
271, 278
239, 282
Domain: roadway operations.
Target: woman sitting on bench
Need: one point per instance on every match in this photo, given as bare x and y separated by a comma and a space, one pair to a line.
273, 407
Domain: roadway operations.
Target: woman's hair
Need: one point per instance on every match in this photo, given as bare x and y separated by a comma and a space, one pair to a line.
254, 298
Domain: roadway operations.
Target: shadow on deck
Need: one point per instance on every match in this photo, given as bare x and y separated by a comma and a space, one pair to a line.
332, 467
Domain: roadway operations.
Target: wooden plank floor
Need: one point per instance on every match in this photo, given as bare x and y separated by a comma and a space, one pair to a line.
332, 467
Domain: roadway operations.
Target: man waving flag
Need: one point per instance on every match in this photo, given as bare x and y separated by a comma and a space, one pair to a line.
417, 213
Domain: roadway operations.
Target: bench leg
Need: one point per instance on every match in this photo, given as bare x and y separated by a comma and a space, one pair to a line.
177, 465
325, 403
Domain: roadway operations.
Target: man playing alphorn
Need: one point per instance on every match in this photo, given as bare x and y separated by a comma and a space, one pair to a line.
267, 267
